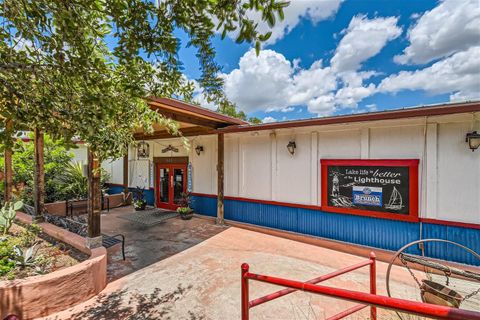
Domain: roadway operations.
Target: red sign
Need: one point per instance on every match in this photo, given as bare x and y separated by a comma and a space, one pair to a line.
377, 188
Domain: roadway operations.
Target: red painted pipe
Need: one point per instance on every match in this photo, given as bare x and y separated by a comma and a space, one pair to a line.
347, 312
281, 293
373, 283
245, 298
413, 307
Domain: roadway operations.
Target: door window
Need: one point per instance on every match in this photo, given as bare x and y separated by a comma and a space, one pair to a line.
164, 190
178, 184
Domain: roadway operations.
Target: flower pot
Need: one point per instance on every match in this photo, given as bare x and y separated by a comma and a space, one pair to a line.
141, 206
186, 216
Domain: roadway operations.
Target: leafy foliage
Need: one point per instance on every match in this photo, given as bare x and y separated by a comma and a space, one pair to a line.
24, 258
6, 256
83, 68
139, 200
74, 184
73, 181
230, 109
8, 214
57, 158
185, 199
10, 244
63, 179
184, 210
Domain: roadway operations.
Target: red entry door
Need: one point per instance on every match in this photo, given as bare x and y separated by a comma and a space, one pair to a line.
171, 182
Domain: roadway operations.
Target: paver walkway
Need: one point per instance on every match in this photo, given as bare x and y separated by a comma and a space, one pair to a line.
203, 282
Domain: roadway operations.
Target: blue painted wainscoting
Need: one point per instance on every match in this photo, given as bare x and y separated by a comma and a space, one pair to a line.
373, 232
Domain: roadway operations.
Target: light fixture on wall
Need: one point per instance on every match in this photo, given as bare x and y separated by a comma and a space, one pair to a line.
198, 150
143, 150
291, 146
473, 139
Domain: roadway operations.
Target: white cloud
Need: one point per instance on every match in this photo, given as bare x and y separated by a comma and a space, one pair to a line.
348, 97
260, 82
458, 75
452, 26
364, 38
270, 82
269, 120
313, 10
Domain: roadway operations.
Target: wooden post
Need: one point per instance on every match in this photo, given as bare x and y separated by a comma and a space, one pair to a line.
8, 171
220, 175
39, 176
94, 238
125, 180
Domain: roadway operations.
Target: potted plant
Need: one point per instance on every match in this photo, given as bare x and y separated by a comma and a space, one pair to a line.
185, 211
139, 201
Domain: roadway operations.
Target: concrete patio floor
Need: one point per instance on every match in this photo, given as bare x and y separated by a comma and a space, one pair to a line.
202, 281
145, 245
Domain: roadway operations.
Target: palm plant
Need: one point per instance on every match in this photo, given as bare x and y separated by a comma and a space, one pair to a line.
73, 181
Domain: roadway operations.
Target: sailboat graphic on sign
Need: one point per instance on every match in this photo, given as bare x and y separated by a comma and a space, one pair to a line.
395, 202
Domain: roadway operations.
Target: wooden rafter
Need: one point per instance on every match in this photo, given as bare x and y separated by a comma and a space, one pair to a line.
178, 116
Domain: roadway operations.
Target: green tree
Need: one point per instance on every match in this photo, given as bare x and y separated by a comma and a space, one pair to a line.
229, 108
63, 178
83, 68
57, 157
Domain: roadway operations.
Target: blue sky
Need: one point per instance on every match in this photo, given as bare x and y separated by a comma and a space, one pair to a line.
333, 57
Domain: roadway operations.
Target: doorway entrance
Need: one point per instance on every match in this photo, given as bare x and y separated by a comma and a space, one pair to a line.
171, 182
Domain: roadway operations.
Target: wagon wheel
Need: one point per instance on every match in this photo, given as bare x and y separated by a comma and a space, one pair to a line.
431, 289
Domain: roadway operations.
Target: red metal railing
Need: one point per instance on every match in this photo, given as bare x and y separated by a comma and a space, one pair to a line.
365, 299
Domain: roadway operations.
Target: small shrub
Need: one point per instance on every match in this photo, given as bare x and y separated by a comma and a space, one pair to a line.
185, 199
139, 200
184, 210
6, 256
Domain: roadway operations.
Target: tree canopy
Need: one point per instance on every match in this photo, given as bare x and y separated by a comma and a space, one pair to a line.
230, 109
84, 67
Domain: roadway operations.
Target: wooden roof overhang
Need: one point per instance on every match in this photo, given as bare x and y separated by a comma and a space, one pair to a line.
193, 120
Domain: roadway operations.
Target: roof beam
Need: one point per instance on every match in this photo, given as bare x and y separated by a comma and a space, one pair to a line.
164, 134
181, 117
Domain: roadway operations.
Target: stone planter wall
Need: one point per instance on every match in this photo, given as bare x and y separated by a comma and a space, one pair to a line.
39, 296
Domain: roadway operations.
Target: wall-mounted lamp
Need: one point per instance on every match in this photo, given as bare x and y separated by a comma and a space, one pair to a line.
473, 139
143, 150
198, 150
291, 146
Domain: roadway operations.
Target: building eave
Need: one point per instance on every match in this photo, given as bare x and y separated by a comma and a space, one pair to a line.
424, 111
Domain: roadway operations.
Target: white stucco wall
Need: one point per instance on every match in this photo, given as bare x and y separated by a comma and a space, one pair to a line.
79, 153
258, 165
